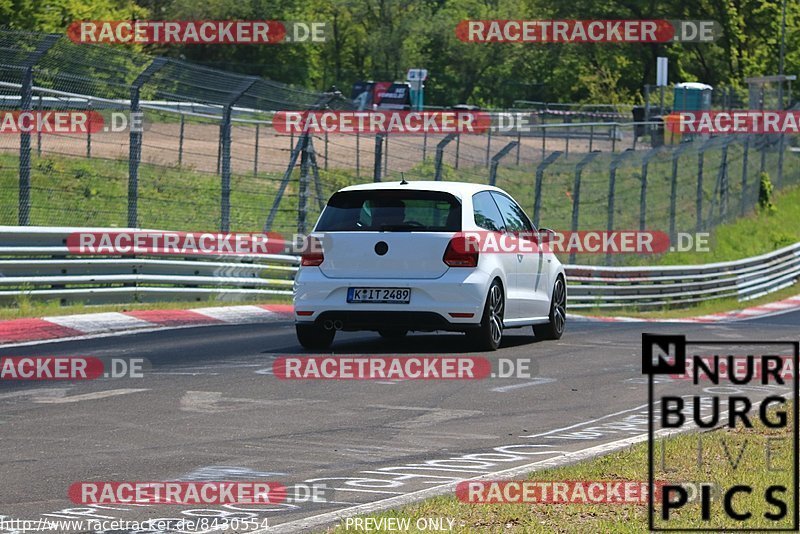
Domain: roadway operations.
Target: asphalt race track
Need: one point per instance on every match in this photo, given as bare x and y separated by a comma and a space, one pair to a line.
209, 408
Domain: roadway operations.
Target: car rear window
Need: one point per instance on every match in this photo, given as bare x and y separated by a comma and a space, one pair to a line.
391, 210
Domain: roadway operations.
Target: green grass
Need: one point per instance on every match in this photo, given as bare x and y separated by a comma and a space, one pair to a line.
73, 191
69, 191
702, 308
752, 235
629, 464
26, 307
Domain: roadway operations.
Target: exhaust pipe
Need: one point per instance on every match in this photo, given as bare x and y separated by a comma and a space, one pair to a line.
338, 325
328, 325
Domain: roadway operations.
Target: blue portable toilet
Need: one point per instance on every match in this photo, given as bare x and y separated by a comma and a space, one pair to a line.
691, 96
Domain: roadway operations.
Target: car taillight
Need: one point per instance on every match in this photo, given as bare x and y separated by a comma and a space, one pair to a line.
461, 253
312, 253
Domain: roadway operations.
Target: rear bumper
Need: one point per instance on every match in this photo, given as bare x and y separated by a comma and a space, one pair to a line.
459, 291
400, 320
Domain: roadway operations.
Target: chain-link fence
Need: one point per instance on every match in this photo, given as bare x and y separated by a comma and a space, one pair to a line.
209, 158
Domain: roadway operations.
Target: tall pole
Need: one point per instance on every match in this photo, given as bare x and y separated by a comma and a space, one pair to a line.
782, 52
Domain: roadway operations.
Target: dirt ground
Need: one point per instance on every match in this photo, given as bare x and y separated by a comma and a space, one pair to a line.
161, 146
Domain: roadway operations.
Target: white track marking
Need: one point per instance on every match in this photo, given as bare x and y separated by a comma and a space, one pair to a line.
95, 323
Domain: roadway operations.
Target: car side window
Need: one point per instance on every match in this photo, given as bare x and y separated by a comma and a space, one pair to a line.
514, 218
487, 216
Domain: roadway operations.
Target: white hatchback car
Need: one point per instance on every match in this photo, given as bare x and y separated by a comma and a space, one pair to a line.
387, 257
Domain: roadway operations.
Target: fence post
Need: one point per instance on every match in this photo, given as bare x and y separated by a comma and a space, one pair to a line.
743, 199
643, 191
255, 152
699, 200
284, 182
781, 145
358, 156
496, 161
537, 190
386, 156
576, 194
425, 146
219, 149
26, 101
89, 130
326, 151
544, 140
458, 148
673, 194
519, 144
135, 147
591, 136
376, 172
440, 154
225, 141
614, 138
312, 153
302, 189
612, 189
180, 143
39, 132
723, 179
488, 145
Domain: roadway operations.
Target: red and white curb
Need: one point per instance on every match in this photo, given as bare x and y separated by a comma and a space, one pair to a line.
773, 308
25, 331
21, 331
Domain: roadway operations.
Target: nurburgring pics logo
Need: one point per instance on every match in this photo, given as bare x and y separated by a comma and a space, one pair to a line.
189, 32
742, 480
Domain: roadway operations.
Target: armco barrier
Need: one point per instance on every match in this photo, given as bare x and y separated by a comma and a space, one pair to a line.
648, 287
35, 262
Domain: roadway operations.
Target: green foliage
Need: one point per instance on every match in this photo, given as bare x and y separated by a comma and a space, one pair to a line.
765, 204
380, 39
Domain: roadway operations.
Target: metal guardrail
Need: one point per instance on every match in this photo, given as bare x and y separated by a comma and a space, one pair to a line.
35, 262
648, 287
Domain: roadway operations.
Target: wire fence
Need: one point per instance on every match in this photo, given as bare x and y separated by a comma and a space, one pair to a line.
209, 158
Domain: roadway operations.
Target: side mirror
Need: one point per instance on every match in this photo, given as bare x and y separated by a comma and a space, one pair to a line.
546, 235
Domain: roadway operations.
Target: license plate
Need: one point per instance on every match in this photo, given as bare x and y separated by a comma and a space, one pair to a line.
386, 295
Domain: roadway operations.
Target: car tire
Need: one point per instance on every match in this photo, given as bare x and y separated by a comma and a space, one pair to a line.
558, 313
314, 337
392, 333
489, 334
